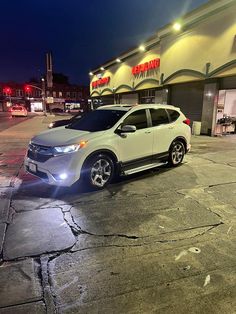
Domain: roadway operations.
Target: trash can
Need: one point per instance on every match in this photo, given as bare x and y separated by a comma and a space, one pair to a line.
196, 128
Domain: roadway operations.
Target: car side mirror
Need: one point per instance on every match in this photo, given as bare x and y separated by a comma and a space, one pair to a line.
126, 129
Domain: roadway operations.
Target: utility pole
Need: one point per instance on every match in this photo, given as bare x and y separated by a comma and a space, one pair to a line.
43, 96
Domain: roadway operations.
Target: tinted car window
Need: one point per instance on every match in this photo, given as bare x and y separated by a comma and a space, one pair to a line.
137, 118
173, 115
17, 108
98, 120
159, 116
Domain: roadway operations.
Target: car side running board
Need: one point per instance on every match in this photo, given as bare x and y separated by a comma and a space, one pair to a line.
142, 168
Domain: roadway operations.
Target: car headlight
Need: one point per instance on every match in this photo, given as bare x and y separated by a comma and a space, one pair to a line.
59, 150
51, 125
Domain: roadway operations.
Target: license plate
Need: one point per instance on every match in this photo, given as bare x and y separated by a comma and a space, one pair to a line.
32, 167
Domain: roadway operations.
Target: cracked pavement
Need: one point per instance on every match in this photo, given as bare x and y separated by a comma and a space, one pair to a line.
162, 241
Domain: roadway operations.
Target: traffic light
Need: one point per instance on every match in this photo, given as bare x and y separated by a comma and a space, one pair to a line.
27, 89
7, 91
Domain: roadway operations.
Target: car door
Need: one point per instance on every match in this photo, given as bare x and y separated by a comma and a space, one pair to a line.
137, 145
163, 131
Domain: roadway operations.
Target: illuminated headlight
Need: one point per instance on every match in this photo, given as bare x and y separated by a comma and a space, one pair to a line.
59, 150
51, 125
63, 176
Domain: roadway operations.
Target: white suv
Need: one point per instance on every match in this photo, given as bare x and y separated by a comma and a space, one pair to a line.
112, 140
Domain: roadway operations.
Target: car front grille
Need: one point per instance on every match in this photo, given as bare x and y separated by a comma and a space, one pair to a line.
39, 153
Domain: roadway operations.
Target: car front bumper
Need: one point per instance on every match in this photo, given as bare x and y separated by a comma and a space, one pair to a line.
61, 170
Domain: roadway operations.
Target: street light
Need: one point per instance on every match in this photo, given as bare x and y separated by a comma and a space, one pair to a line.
43, 95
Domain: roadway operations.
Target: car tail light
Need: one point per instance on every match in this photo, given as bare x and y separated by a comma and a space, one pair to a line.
187, 121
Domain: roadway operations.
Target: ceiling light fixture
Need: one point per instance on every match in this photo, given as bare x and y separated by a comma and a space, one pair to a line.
142, 48
177, 26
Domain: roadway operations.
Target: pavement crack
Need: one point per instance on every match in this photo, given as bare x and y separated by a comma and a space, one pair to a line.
77, 230
216, 162
10, 217
220, 184
49, 297
12, 306
200, 198
11, 213
153, 240
15, 177
213, 212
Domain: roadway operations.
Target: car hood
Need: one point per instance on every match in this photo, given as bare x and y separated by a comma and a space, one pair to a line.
62, 136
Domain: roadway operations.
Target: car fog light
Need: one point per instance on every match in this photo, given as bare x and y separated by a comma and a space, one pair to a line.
63, 176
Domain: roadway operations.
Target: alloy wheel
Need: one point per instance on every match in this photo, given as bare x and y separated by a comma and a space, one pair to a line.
177, 153
101, 172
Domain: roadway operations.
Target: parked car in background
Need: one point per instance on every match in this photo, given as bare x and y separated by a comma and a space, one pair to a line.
109, 141
18, 110
62, 122
57, 110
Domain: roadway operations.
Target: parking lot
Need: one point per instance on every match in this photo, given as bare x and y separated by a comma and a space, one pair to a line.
162, 241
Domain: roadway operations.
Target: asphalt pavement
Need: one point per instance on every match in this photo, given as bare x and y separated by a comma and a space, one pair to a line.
162, 241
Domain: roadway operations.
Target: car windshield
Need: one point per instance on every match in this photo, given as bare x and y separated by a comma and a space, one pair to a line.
17, 108
98, 120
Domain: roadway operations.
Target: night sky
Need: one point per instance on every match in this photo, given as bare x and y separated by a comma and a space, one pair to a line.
82, 34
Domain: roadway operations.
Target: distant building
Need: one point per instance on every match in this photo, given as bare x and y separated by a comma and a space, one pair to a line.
61, 97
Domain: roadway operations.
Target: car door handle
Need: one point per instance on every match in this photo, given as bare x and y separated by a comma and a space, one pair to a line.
147, 132
170, 127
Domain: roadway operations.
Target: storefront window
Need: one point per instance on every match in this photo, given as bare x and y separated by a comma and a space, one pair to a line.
147, 96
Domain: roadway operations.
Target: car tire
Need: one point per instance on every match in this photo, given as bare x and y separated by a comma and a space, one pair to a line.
176, 153
98, 171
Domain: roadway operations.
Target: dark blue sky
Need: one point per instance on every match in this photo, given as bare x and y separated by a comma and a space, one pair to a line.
82, 34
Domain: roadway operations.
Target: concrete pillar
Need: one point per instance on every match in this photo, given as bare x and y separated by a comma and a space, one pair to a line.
210, 98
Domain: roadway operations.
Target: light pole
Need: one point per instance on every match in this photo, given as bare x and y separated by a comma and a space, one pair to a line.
43, 96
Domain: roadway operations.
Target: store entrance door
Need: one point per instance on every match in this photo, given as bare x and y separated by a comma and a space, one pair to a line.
226, 112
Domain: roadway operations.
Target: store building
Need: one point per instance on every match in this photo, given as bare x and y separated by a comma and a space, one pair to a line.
191, 65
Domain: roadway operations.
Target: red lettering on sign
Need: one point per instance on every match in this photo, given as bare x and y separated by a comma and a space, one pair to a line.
101, 82
144, 67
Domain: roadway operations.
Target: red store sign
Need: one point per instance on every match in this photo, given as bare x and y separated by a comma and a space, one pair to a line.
101, 82
144, 67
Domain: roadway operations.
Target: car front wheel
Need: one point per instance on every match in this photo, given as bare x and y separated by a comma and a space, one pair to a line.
99, 171
176, 153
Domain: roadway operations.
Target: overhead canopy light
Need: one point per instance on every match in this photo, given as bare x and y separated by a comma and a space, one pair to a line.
177, 26
142, 48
